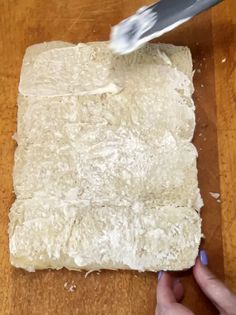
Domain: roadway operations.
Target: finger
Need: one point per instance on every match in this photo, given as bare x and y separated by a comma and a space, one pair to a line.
173, 288
214, 289
173, 309
168, 293
178, 290
165, 293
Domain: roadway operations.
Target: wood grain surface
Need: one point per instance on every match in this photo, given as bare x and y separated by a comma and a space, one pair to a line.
211, 37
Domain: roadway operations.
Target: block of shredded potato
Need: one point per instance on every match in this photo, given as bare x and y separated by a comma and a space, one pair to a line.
105, 172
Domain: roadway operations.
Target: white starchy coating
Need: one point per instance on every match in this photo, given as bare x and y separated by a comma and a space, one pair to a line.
128, 35
68, 71
94, 235
105, 178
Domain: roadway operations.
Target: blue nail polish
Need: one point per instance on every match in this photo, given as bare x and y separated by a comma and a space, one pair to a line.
159, 275
203, 257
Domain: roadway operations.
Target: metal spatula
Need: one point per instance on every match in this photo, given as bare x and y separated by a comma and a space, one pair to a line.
153, 21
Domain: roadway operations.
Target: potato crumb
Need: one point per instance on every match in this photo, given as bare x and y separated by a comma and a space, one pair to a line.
70, 286
215, 195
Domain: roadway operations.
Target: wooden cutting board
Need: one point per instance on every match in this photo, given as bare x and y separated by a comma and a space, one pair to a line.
24, 23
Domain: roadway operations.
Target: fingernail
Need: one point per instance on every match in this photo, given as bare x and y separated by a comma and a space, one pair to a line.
159, 275
203, 257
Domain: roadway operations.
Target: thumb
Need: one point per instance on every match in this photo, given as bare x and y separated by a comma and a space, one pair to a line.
215, 290
168, 293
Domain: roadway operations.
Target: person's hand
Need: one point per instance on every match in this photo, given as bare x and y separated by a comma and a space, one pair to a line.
170, 291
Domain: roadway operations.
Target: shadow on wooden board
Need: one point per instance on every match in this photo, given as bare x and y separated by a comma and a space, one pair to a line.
124, 292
